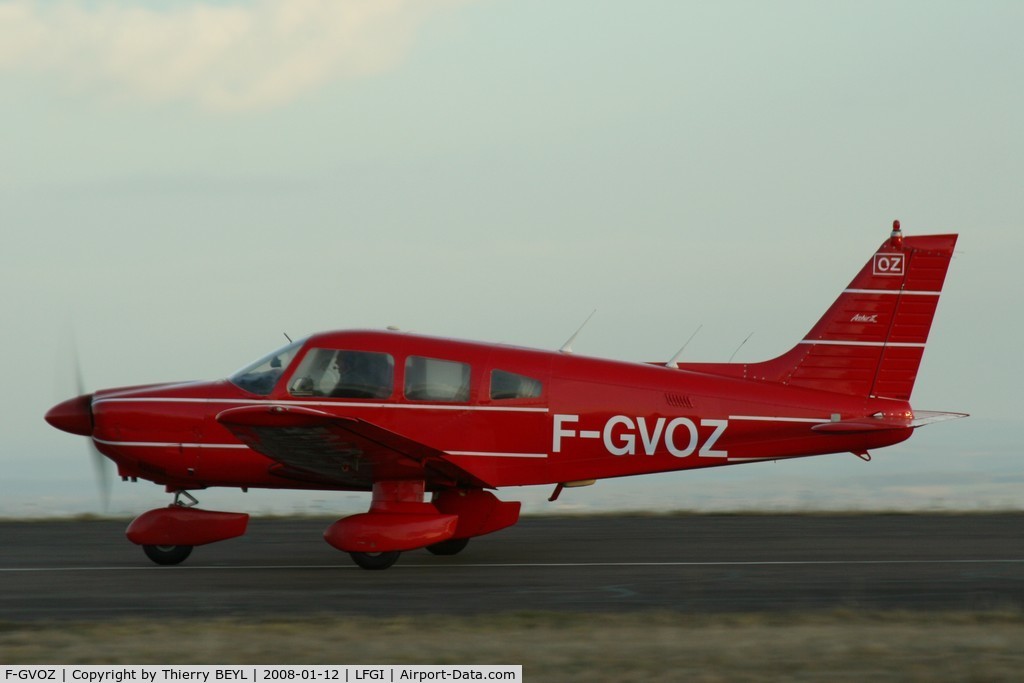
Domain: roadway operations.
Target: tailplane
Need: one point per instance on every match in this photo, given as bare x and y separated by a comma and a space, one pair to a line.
871, 340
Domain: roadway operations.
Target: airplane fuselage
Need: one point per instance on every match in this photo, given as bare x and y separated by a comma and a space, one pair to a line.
591, 419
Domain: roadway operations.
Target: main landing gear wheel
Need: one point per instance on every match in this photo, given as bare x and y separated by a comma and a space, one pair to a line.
453, 546
376, 560
167, 554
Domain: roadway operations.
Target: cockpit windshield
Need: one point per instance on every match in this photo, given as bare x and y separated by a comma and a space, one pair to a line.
261, 376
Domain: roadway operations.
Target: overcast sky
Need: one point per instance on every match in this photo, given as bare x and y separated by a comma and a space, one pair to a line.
183, 182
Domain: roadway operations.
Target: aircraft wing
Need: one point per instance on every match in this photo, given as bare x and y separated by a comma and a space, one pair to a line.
311, 445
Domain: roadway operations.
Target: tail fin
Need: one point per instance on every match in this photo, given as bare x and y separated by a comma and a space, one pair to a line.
871, 340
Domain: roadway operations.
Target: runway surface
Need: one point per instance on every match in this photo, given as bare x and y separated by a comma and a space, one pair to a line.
86, 570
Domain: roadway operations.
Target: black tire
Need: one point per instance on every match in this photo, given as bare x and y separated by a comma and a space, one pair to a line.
453, 546
376, 560
167, 554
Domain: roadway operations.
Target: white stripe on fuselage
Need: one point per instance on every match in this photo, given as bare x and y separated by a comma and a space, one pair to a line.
333, 404
910, 292
175, 444
765, 418
839, 342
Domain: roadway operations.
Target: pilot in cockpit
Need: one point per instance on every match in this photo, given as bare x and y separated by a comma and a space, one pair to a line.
362, 375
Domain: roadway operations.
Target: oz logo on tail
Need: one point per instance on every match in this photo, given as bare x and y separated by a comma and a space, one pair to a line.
888, 264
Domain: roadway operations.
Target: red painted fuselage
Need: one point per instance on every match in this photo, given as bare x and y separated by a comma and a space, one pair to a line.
593, 419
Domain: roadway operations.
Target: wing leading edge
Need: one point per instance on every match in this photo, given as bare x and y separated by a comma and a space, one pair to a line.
311, 445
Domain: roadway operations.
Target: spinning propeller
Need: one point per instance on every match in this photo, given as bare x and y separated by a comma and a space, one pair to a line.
75, 416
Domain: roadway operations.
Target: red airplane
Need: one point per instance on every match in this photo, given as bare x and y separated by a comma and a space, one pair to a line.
404, 415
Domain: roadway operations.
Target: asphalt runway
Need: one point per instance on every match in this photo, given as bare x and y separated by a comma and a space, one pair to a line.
87, 570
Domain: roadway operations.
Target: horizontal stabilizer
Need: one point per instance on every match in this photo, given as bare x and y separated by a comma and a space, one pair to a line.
882, 423
864, 424
927, 417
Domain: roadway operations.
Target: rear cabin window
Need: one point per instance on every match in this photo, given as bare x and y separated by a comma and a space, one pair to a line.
506, 385
431, 379
344, 374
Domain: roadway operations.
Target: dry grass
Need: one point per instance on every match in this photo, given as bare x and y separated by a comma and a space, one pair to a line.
854, 646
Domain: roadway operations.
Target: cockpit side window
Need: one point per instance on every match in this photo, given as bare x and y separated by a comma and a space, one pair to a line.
260, 376
507, 385
344, 374
432, 379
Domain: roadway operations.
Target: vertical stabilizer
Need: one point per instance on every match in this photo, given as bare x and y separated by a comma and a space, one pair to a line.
871, 340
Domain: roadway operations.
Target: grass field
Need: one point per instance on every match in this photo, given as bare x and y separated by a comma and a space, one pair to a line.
835, 646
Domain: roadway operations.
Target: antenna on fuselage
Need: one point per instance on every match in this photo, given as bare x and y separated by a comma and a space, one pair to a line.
287, 337
674, 363
567, 346
740, 347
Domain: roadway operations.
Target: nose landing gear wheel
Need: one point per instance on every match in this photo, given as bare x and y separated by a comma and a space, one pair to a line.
375, 560
167, 554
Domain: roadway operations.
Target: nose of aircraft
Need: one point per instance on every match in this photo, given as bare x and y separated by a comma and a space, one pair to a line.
73, 415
